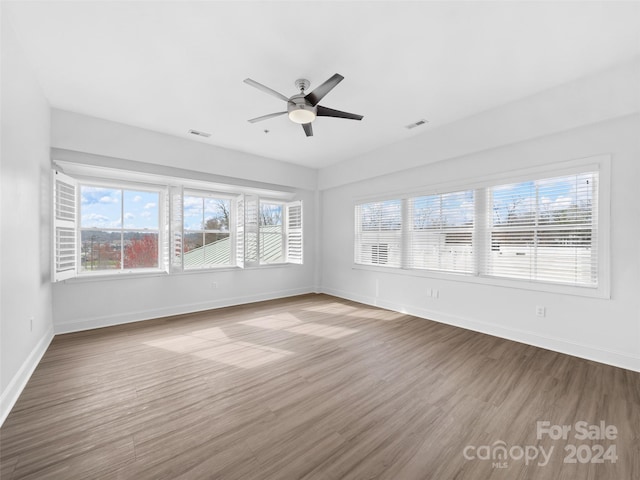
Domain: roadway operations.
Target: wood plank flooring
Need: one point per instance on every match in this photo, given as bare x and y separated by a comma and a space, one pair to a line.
311, 387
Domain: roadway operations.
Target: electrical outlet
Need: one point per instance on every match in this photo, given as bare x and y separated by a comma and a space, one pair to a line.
435, 293
31, 324
540, 311
214, 284
429, 292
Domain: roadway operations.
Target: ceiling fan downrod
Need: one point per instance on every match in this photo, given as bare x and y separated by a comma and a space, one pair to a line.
302, 84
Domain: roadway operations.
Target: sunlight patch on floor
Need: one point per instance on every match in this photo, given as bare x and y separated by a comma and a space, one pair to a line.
220, 348
333, 308
320, 330
273, 322
178, 343
213, 333
242, 354
287, 322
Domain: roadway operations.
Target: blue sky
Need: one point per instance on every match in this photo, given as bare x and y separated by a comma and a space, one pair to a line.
554, 194
103, 207
198, 210
457, 208
451, 209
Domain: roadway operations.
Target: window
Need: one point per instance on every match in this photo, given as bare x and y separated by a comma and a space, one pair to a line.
271, 233
379, 233
125, 227
544, 229
441, 232
207, 240
119, 228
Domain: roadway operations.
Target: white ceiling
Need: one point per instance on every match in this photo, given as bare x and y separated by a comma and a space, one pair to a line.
174, 66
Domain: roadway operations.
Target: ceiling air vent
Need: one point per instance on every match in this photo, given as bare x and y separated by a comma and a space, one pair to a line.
199, 134
416, 124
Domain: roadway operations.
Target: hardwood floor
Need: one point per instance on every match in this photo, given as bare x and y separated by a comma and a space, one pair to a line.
312, 387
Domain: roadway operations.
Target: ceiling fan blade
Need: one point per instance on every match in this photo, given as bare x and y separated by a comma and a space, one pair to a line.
266, 117
308, 129
265, 89
319, 92
330, 112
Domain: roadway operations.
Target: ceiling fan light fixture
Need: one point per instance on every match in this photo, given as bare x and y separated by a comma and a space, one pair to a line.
302, 115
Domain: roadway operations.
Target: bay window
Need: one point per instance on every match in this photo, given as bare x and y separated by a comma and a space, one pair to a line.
104, 227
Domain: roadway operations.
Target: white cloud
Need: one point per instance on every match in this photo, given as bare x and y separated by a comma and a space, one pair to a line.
129, 216
137, 198
192, 202
150, 205
108, 199
95, 217
562, 203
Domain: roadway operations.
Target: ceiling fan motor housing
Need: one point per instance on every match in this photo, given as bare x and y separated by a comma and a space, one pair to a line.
300, 110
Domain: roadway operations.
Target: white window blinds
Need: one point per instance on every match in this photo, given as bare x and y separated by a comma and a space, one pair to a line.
239, 224
176, 234
294, 232
378, 233
545, 230
65, 206
441, 232
538, 230
251, 230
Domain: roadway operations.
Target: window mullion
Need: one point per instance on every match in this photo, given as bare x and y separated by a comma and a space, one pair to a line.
481, 237
536, 231
405, 235
121, 229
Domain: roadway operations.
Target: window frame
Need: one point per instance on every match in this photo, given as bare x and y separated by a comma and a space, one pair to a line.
381, 237
446, 230
122, 186
232, 228
280, 233
287, 234
481, 185
537, 230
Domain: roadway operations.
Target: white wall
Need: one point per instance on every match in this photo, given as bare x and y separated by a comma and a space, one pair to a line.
88, 303
609, 94
25, 290
72, 131
606, 330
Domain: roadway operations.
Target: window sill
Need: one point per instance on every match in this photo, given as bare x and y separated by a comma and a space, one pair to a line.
221, 268
592, 292
117, 275
121, 275
272, 265
227, 268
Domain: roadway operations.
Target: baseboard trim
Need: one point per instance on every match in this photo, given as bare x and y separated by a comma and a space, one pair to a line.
588, 352
137, 316
15, 387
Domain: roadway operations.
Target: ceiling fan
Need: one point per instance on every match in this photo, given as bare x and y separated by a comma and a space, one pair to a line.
303, 107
